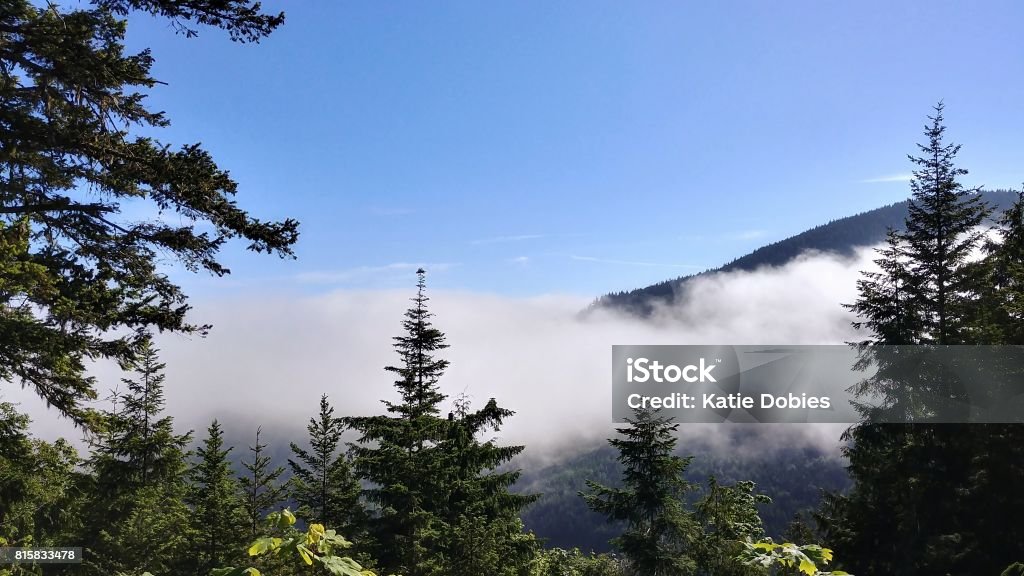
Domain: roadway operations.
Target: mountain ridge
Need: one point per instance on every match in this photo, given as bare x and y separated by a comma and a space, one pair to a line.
842, 236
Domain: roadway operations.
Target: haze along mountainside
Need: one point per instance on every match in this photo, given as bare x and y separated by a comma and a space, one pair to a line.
794, 478
842, 236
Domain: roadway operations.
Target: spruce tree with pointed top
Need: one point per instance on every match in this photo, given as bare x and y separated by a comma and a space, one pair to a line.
396, 453
136, 516
942, 231
217, 505
661, 535
322, 481
262, 490
442, 506
913, 507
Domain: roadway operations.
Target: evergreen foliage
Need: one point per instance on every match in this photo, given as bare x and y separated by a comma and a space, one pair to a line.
260, 485
80, 280
922, 502
40, 488
485, 534
217, 505
661, 534
136, 511
729, 517
437, 498
322, 480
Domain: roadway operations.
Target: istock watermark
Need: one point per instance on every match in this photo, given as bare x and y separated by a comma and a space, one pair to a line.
824, 384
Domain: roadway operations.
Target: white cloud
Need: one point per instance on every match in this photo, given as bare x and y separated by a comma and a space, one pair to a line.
521, 260
750, 234
890, 178
269, 358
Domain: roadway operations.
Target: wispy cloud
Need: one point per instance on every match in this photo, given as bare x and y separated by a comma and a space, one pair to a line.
750, 234
362, 273
631, 262
501, 239
890, 178
521, 260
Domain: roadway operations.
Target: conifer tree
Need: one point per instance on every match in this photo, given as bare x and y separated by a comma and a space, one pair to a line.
323, 483
728, 516
997, 450
217, 506
660, 534
136, 516
442, 504
39, 485
262, 491
1002, 314
942, 230
78, 142
887, 304
484, 534
397, 453
909, 512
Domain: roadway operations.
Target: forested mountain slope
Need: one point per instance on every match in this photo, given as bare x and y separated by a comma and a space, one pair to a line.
794, 478
840, 236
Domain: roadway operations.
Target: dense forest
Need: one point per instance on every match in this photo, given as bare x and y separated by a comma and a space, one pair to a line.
420, 489
794, 479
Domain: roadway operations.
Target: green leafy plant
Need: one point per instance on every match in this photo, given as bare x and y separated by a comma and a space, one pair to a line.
805, 559
317, 546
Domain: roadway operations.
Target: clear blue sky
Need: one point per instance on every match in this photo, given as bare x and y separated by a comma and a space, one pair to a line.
537, 147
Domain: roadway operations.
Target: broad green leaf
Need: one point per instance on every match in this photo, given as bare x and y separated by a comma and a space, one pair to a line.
341, 566
307, 556
261, 545
808, 567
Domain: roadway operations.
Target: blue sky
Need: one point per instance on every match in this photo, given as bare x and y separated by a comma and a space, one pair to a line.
528, 148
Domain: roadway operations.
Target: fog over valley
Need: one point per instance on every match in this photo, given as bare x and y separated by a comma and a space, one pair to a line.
270, 357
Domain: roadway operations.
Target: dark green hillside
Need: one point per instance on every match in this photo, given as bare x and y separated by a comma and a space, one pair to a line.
840, 236
793, 478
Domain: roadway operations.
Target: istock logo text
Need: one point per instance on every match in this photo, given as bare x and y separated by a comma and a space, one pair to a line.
643, 370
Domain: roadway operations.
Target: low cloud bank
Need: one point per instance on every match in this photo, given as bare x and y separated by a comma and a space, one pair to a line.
269, 358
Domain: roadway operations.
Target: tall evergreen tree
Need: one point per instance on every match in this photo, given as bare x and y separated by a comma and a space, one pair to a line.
1001, 318
484, 534
942, 231
260, 486
997, 455
136, 516
397, 453
442, 504
78, 141
217, 505
909, 511
660, 534
323, 483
